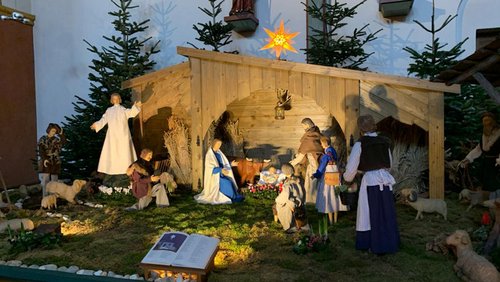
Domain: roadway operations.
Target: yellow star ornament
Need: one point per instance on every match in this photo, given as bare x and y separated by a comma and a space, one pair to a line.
279, 40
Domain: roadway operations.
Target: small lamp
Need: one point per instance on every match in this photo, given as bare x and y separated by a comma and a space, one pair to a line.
279, 112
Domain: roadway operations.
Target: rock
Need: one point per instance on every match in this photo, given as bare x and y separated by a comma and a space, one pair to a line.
34, 266
136, 277
99, 206
66, 218
111, 274
2, 262
58, 215
24, 265
34, 189
14, 263
23, 190
85, 272
98, 273
118, 276
72, 269
62, 269
16, 224
19, 205
104, 273
127, 276
48, 267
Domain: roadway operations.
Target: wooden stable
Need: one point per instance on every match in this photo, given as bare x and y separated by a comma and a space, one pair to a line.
211, 83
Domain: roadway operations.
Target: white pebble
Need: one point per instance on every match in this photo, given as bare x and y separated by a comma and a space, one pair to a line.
14, 263
85, 272
19, 205
73, 269
48, 267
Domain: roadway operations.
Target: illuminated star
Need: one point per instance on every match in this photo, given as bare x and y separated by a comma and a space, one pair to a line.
279, 40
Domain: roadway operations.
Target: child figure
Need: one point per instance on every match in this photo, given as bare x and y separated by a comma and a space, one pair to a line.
327, 201
290, 198
271, 176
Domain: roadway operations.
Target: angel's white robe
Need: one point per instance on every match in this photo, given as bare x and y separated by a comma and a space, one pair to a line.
118, 150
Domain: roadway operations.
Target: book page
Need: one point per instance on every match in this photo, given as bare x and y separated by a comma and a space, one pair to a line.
196, 251
166, 248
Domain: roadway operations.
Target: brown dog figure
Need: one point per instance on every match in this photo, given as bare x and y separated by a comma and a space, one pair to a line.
470, 266
65, 191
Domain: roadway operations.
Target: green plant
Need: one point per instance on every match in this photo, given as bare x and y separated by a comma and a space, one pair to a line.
23, 240
327, 46
126, 57
341, 188
213, 33
434, 59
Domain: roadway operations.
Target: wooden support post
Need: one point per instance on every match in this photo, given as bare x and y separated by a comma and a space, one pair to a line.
436, 145
196, 125
490, 89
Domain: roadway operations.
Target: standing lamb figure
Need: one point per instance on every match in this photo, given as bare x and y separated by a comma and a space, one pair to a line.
470, 266
427, 205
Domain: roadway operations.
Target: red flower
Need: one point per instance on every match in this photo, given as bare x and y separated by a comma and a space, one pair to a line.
486, 219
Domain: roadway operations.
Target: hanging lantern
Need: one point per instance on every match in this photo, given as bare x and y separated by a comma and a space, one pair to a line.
279, 112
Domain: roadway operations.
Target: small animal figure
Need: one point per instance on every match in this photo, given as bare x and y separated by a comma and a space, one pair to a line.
470, 266
427, 205
248, 168
65, 191
474, 197
50, 201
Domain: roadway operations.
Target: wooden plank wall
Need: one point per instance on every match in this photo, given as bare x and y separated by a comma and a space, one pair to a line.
407, 105
249, 93
264, 135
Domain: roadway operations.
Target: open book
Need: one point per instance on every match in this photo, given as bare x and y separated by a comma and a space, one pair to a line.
182, 250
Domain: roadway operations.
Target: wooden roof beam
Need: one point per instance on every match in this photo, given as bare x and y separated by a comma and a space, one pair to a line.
490, 89
491, 60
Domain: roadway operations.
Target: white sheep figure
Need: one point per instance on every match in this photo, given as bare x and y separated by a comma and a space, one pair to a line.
470, 266
427, 205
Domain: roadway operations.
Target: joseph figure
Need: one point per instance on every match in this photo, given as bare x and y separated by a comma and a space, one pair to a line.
242, 6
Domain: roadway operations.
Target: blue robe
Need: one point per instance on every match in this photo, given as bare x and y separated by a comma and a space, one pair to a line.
226, 185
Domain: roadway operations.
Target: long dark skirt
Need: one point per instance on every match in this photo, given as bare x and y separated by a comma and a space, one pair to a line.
383, 238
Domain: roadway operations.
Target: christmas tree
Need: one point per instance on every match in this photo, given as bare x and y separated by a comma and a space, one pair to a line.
329, 48
122, 60
434, 59
214, 33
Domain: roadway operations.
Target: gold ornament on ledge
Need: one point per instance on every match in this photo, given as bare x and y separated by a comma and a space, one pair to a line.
279, 40
283, 103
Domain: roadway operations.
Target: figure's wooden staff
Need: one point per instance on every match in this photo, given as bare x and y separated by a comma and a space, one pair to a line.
5, 188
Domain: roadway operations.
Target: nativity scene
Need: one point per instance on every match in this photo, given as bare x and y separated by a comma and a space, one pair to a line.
279, 142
